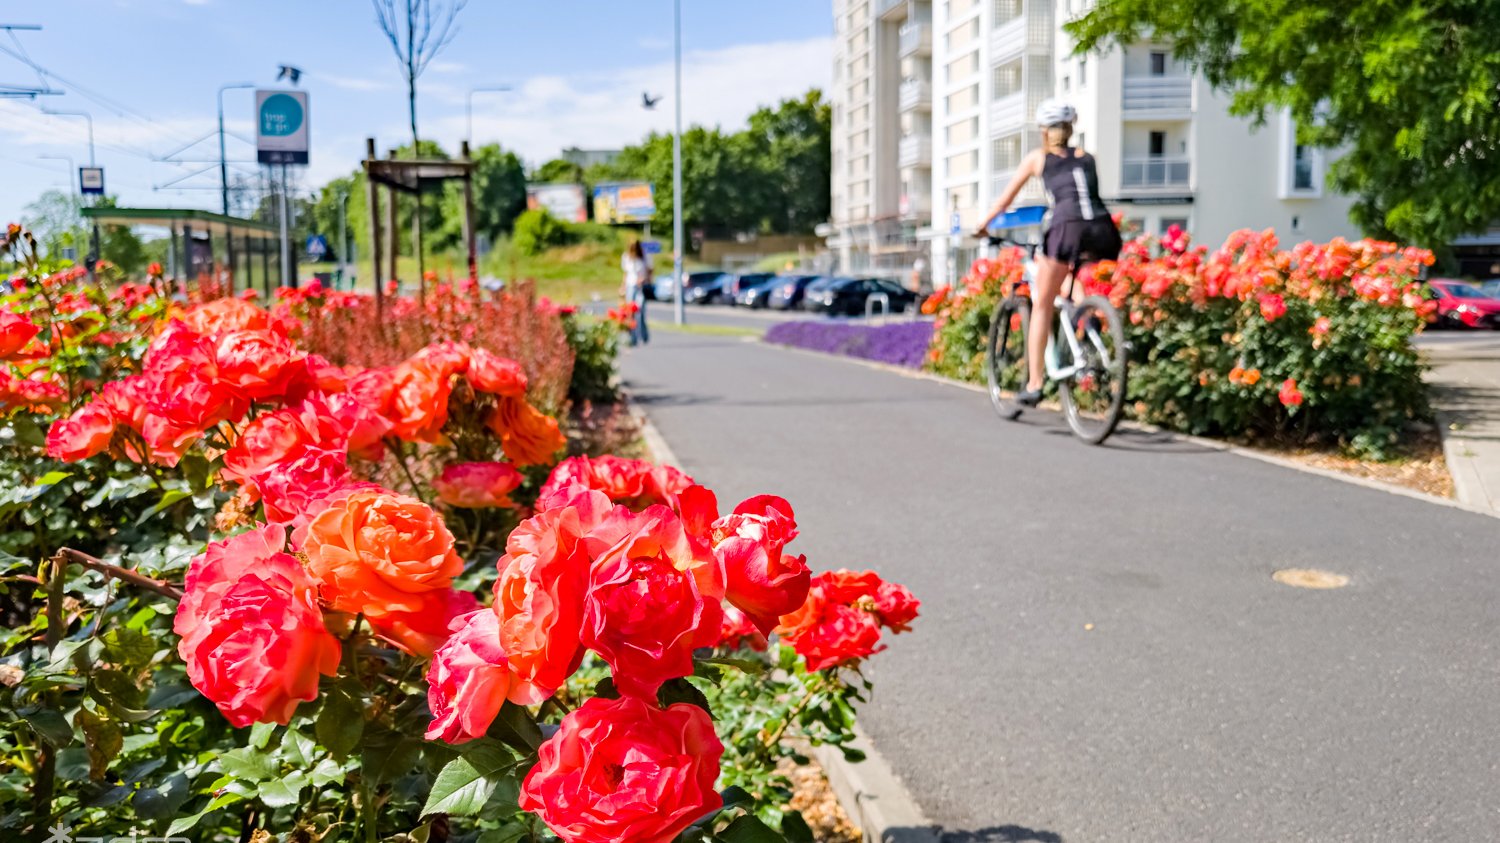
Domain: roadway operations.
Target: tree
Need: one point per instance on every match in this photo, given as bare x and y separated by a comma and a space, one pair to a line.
1408, 94
55, 221
418, 30
558, 170
499, 195
793, 143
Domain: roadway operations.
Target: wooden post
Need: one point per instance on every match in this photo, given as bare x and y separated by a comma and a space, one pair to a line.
469, 214
265, 269
372, 198
393, 229
229, 255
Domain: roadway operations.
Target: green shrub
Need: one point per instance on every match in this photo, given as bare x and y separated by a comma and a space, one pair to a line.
537, 230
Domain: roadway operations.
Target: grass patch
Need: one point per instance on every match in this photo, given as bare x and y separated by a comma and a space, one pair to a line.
706, 330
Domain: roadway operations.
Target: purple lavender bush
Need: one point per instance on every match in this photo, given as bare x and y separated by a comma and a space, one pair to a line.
902, 344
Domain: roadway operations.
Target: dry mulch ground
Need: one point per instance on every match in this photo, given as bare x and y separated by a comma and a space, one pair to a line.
1419, 466
812, 796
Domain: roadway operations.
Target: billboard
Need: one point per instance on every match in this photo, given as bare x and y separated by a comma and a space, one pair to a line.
624, 202
564, 201
281, 127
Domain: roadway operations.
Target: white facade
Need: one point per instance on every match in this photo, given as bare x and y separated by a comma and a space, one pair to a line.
1167, 149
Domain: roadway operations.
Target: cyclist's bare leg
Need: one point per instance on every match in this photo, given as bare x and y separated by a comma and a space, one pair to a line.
1049, 279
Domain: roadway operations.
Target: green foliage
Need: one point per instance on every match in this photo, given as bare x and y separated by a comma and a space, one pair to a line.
55, 220
1408, 95
595, 348
558, 171
499, 196
537, 230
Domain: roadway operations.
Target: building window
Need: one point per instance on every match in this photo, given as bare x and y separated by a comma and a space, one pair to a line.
1168, 222
1158, 63
1007, 79
1079, 143
1158, 144
1067, 84
1008, 10
1083, 72
1007, 153
1302, 168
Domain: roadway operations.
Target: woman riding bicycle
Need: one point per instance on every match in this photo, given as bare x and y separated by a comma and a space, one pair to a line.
1081, 230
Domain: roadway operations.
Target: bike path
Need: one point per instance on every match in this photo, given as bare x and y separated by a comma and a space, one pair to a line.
1102, 653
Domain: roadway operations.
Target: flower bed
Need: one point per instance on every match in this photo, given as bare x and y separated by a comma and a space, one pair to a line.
364, 601
900, 344
1311, 344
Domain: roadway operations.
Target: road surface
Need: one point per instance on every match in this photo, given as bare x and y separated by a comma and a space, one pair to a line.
1102, 653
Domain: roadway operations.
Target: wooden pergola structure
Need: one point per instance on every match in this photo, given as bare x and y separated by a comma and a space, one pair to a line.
412, 176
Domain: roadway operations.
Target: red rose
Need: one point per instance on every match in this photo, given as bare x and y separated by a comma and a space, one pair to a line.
252, 635
468, 680
224, 315
653, 598
477, 485
539, 597
828, 634
896, 606
1272, 307
424, 629
293, 488
269, 439
82, 435
737, 631
16, 331
496, 375
1289, 394
625, 771
256, 363
760, 578
634, 483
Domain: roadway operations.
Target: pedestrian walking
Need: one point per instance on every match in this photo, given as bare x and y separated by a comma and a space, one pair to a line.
637, 270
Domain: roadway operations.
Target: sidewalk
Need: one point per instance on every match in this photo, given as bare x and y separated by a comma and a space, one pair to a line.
1103, 654
1465, 381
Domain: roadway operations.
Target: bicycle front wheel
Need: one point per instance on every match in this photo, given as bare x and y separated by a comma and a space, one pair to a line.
1005, 354
1094, 397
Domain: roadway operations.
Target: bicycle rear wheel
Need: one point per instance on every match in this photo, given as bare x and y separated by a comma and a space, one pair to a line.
1094, 397
1005, 354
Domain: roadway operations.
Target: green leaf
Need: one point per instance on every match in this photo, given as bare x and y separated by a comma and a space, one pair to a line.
260, 734
182, 824
754, 667
389, 757
51, 726
508, 833
683, 691
168, 498
158, 803
749, 829
103, 739
248, 764
131, 647
465, 783
283, 792
514, 727
52, 478
794, 828
327, 772
341, 722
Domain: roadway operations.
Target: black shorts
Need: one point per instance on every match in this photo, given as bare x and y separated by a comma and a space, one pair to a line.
1079, 242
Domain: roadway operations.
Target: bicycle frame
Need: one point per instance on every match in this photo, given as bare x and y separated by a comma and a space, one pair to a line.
1063, 305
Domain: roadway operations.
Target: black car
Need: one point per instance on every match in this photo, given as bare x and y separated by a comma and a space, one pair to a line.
662, 290
759, 295
848, 296
710, 291
789, 294
740, 283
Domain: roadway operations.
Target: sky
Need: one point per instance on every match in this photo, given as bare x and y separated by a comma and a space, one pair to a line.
149, 70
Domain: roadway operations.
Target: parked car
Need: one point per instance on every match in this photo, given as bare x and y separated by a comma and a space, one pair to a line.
711, 291
662, 290
742, 282
790, 293
759, 295
848, 296
1460, 304
1490, 288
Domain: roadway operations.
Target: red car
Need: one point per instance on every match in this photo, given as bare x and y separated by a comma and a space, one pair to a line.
1460, 304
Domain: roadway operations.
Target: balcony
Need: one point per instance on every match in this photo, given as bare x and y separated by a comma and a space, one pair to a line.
914, 151
915, 39
1008, 114
916, 205
1158, 97
1155, 174
914, 94
886, 9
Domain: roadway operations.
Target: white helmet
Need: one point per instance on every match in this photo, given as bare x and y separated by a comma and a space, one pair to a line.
1055, 112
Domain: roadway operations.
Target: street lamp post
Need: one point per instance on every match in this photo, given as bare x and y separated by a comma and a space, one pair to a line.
680, 310
469, 107
223, 159
93, 257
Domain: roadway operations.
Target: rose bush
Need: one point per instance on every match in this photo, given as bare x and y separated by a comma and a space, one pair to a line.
351, 597
1308, 344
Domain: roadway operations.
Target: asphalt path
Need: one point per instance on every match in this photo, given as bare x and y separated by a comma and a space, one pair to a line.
1103, 654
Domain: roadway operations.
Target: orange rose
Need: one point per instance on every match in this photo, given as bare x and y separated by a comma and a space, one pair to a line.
477, 485
529, 436
495, 374
224, 315
378, 553
419, 401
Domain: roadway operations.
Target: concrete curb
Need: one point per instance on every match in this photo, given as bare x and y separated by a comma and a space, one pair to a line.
868, 791
1468, 482
1464, 501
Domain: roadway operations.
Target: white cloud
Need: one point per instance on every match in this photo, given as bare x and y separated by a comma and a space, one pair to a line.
603, 110
354, 83
447, 67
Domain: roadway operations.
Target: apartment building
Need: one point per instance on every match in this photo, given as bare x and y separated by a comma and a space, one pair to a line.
952, 112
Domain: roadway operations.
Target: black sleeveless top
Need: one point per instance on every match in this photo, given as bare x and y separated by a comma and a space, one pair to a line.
1073, 185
